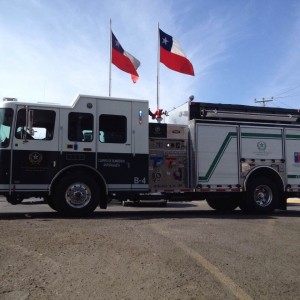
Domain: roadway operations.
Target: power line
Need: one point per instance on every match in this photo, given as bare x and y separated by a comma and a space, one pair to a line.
284, 104
286, 91
288, 96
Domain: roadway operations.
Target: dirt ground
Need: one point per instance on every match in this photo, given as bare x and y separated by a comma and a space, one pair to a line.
179, 252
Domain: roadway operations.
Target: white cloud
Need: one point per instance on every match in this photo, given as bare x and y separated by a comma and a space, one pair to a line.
53, 50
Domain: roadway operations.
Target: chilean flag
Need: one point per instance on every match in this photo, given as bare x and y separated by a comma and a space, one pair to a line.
172, 56
124, 60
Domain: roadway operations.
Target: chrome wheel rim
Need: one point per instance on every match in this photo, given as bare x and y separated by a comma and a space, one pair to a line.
263, 196
78, 195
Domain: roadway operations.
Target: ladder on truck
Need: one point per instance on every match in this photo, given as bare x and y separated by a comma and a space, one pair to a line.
233, 112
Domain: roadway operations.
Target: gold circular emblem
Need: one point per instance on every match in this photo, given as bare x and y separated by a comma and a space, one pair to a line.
35, 158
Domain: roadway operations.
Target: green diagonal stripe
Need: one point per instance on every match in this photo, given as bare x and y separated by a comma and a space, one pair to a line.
217, 159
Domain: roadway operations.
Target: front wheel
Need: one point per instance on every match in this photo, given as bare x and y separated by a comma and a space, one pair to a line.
76, 195
262, 196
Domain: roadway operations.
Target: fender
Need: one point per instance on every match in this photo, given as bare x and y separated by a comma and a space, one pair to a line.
76, 167
260, 170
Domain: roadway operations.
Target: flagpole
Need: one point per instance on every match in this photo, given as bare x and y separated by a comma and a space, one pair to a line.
158, 59
110, 47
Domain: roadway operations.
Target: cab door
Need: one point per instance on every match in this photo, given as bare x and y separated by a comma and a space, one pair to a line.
114, 143
122, 147
35, 148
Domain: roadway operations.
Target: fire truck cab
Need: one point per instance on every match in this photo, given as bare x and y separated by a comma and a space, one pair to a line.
73, 155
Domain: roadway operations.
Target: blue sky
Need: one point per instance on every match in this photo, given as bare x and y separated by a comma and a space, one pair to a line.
53, 50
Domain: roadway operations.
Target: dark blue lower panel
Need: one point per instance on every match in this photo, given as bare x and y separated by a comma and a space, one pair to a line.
5, 166
39, 167
118, 168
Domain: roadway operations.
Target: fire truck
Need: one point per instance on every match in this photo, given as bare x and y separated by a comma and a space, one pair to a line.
80, 156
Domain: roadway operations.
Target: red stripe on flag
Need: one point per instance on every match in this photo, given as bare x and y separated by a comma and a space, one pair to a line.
176, 62
123, 62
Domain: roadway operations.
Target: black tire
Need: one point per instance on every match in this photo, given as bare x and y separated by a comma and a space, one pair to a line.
14, 199
50, 201
223, 203
163, 204
76, 195
262, 196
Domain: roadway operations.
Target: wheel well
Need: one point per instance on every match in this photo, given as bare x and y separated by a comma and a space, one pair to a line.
83, 170
266, 172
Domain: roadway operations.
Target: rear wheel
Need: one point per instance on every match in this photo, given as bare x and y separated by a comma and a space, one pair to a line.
262, 196
76, 195
223, 203
14, 199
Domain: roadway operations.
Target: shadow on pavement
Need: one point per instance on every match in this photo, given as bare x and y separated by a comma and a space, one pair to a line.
181, 213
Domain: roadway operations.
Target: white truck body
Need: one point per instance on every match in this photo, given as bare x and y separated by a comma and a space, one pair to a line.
98, 148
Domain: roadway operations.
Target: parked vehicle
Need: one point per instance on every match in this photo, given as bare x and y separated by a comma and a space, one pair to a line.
78, 157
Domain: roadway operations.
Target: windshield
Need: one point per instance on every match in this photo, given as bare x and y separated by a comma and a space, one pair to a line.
6, 117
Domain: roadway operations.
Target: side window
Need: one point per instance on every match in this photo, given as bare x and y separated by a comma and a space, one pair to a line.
40, 124
80, 127
6, 118
112, 129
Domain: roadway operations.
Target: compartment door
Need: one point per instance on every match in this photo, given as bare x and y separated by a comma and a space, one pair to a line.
292, 148
217, 154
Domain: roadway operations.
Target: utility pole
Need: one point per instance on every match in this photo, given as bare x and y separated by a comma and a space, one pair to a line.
263, 101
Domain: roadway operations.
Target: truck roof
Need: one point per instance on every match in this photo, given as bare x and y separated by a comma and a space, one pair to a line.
13, 101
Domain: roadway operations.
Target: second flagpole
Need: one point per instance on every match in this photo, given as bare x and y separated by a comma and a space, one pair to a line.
158, 60
110, 50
